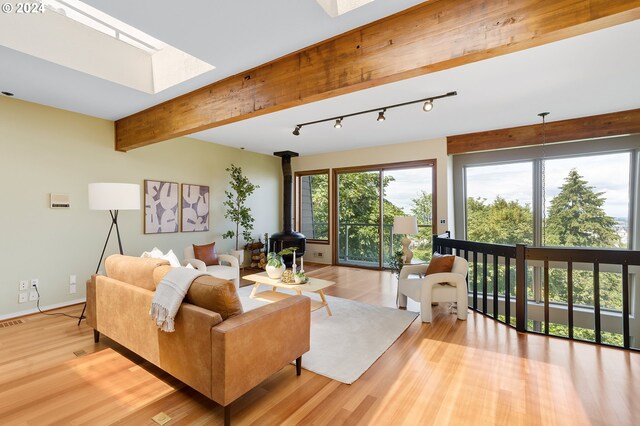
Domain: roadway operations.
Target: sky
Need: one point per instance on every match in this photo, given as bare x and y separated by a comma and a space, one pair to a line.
407, 185
608, 173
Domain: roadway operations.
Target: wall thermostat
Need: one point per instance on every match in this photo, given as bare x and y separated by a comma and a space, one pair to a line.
59, 201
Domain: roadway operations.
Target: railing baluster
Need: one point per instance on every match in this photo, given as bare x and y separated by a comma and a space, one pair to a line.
475, 280
484, 282
625, 305
596, 299
546, 296
522, 254
495, 286
521, 288
570, 297
507, 289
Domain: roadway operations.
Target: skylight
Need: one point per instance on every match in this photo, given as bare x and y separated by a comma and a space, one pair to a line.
338, 7
107, 24
77, 36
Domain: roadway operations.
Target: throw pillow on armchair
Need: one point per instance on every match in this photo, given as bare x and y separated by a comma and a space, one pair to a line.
206, 253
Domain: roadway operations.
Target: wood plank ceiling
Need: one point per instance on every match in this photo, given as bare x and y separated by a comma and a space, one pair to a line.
433, 36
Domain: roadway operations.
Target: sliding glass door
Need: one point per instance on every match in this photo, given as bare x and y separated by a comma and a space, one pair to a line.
358, 219
368, 199
408, 192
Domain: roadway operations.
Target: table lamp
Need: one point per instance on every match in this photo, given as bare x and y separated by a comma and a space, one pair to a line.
407, 225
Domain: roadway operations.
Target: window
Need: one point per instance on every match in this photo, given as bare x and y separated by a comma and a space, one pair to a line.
497, 212
368, 199
587, 201
313, 205
579, 194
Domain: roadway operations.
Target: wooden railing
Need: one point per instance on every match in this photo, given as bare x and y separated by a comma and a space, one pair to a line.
504, 258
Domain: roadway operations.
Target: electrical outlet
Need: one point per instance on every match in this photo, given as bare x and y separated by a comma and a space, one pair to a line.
443, 221
34, 283
22, 297
72, 288
33, 295
24, 284
72, 279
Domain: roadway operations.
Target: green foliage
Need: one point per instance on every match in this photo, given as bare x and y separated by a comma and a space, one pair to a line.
276, 259
359, 205
395, 263
501, 222
422, 210
576, 217
320, 201
237, 210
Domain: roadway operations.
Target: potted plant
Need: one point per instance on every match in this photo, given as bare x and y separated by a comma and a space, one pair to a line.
275, 263
396, 262
237, 210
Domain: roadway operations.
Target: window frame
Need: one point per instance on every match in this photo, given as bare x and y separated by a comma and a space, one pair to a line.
432, 162
601, 146
298, 209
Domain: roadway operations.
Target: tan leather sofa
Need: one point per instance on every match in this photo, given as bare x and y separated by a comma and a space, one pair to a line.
220, 359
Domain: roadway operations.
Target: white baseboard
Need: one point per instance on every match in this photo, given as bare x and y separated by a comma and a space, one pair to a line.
44, 308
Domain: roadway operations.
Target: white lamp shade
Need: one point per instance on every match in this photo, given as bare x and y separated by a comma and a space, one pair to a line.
405, 225
114, 196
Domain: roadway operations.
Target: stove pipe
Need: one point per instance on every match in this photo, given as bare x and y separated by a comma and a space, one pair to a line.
288, 237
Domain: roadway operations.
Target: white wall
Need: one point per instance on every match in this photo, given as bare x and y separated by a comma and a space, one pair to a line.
45, 150
423, 150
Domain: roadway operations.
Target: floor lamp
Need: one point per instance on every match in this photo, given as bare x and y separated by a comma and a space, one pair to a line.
407, 225
112, 197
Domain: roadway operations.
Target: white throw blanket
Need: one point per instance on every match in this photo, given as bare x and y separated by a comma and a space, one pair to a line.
169, 295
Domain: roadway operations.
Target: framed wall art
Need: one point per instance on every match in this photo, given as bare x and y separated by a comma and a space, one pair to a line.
160, 207
195, 208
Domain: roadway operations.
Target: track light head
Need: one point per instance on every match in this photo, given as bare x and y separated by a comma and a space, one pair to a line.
428, 105
296, 131
381, 115
338, 124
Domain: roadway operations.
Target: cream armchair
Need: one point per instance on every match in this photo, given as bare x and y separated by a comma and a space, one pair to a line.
441, 287
228, 269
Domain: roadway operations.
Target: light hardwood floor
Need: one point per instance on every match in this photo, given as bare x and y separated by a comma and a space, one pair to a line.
450, 372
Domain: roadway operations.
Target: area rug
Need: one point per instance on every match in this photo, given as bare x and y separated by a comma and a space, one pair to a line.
346, 344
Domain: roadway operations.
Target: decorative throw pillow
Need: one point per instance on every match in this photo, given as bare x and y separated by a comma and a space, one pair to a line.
215, 294
440, 263
156, 253
206, 253
207, 292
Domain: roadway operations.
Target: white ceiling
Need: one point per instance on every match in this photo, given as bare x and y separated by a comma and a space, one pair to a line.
586, 75
231, 35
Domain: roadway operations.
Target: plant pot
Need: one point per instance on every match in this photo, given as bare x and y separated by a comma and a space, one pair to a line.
275, 273
238, 254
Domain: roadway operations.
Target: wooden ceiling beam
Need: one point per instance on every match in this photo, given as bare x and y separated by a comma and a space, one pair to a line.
597, 126
432, 36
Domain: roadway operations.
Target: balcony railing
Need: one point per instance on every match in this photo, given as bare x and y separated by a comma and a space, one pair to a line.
355, 249
506, 280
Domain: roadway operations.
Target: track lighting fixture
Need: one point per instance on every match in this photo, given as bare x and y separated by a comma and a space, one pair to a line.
428, 106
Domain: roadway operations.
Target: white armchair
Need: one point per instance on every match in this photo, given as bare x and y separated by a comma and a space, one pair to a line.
228, 269
440, 287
